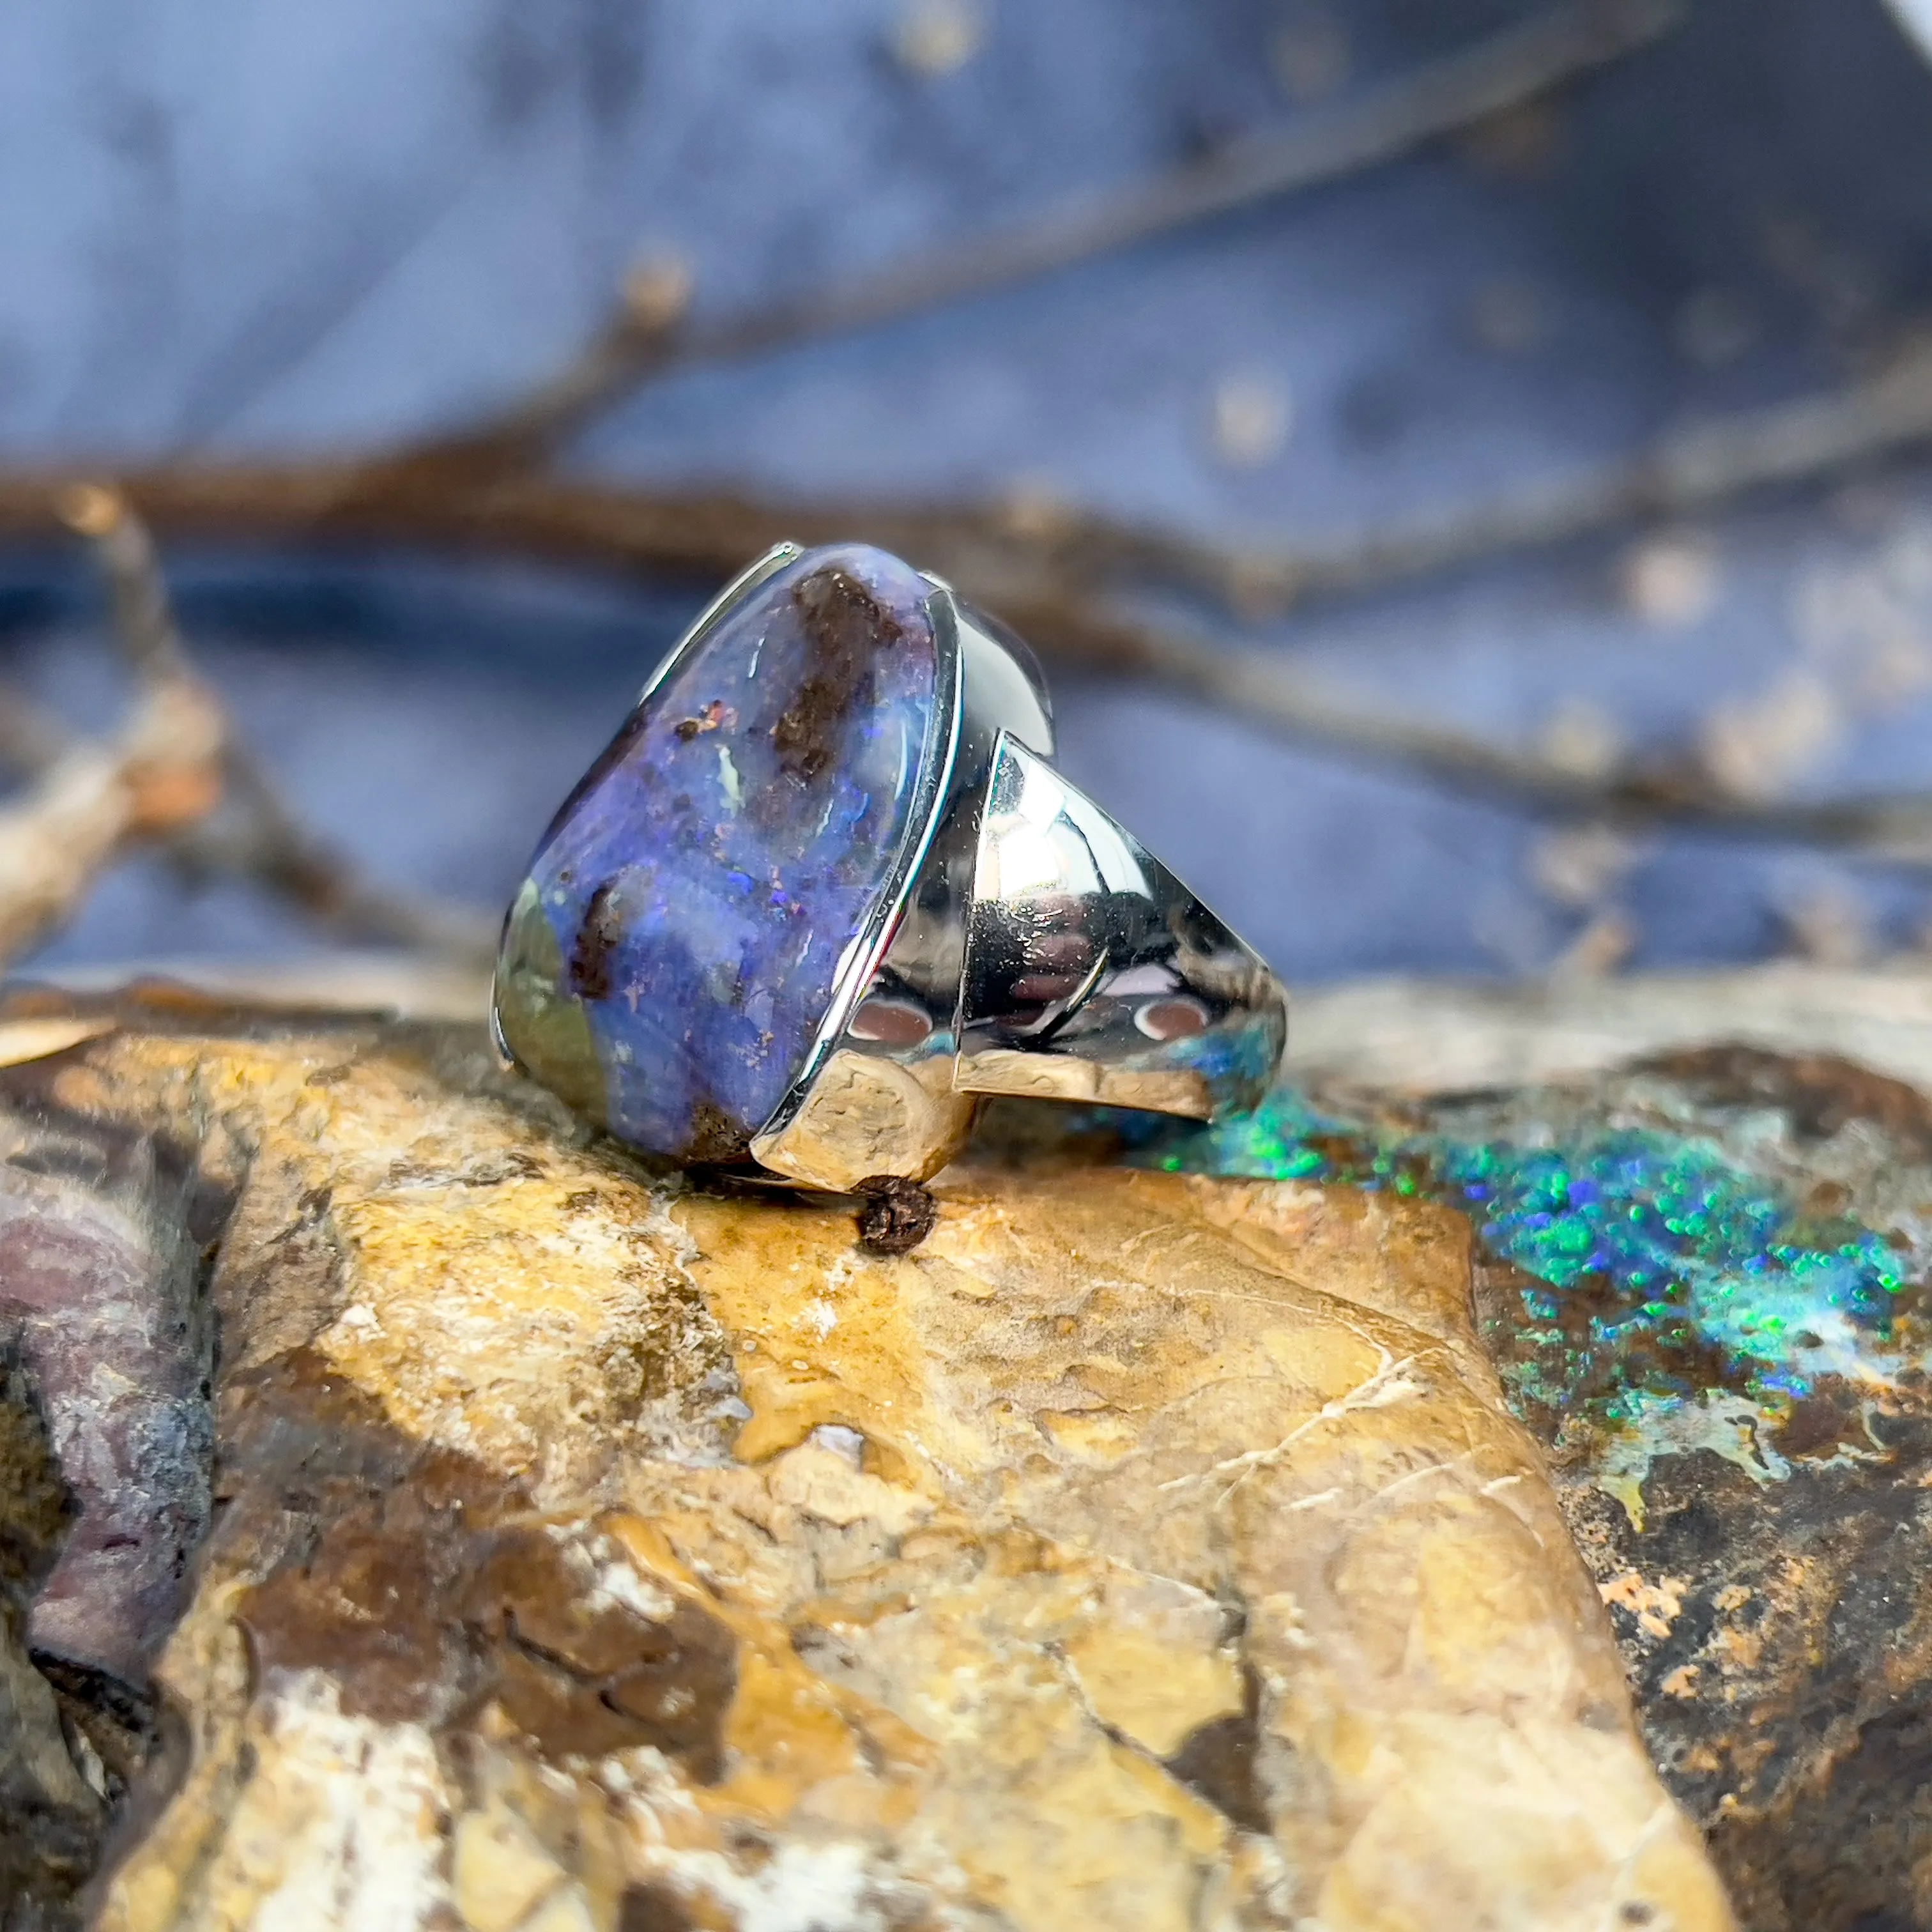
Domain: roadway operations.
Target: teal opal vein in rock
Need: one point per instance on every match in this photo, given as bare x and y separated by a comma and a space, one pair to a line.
672, 954
1668, 1293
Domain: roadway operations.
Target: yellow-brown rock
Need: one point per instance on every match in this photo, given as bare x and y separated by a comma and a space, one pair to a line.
595, 1552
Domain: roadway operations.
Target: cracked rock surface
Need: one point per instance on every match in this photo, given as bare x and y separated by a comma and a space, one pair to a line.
587, 1551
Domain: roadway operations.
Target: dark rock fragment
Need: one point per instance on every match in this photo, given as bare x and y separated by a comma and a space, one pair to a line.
897, 1215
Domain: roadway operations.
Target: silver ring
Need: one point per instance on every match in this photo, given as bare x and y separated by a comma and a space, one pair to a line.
824, 891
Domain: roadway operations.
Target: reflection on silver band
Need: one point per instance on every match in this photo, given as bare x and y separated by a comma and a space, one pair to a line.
1038, 949
1092, 973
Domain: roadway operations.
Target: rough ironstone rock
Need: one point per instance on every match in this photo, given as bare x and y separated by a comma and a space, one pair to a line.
1143, 1550
97, 1285
1764, 1559
1702, 1278
51, 1817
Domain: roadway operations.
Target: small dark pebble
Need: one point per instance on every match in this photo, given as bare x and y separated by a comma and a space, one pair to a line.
897, 1215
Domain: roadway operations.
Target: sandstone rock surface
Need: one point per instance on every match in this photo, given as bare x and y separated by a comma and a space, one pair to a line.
591, 1551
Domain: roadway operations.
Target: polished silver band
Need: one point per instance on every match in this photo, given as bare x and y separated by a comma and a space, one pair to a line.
1033, 948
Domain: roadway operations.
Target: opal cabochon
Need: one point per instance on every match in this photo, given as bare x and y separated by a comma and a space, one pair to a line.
670, 957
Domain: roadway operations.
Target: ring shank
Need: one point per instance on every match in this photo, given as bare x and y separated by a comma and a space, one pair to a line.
1038, 950
1093, 974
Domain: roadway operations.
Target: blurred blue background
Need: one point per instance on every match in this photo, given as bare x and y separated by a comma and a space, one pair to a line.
259, 225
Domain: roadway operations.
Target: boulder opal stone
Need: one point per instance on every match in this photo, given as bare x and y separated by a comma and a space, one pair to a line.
1146, 1553
672, 953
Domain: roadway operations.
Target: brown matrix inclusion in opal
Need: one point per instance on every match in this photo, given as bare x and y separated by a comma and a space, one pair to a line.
672, 954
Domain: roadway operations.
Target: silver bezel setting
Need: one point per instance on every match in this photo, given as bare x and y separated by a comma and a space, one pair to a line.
930, 798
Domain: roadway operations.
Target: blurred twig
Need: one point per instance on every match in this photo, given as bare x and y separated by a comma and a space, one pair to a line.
164, 778
1070, 622
93, 801
998, 551
1682, 474
271, 846
1270, 692
144, 620
31, 739
1053, 570
651, 331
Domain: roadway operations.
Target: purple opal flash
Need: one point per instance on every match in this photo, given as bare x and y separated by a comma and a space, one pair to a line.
670, 958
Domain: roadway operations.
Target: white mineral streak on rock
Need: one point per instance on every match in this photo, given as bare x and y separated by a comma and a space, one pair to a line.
615, 1581
803, 1888
339, 1828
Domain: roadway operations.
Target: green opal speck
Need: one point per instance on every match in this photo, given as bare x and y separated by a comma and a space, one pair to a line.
1668, 1288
